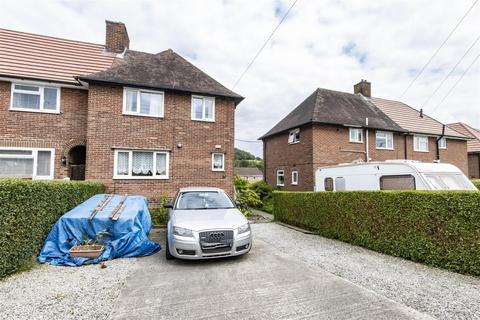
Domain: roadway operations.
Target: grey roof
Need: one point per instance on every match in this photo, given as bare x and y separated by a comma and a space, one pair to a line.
338, 108
164, 70
242, 171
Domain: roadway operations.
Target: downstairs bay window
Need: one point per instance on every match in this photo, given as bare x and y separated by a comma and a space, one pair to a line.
34, 163
133, 164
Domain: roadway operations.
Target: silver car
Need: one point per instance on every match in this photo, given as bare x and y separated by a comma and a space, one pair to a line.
205, 223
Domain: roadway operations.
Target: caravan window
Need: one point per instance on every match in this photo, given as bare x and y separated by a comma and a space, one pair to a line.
328, 182
448, 182
397, 182
340, 184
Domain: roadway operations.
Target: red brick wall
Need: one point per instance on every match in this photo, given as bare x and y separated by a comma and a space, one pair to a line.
44, 130
326, 145
189, 165
281, 155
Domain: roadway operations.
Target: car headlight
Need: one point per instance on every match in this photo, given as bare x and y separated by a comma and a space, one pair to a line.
182, 232
244, 228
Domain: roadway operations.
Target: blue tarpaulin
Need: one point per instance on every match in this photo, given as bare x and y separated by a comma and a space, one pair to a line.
127, 236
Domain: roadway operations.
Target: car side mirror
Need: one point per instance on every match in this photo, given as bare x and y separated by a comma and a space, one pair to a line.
168, 205
237, 203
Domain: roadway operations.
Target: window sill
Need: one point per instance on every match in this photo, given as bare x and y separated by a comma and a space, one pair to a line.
294, 184
218, 170
294, 142
424, 151
141, 115
389, 149
280, 185
35, 111
203, 120
138, 178
358, 142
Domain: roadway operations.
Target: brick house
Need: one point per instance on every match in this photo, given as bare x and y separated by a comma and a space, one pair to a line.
140, 123
331, 127
473, 147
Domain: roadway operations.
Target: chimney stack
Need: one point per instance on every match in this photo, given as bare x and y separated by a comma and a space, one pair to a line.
116, 37
364, 87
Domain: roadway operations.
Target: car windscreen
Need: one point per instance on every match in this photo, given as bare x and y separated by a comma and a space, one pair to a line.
194, 200
449, 182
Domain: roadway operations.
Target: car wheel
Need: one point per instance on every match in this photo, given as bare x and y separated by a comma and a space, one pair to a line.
168, 255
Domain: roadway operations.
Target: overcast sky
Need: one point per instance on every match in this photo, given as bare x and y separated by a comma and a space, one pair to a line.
323, 43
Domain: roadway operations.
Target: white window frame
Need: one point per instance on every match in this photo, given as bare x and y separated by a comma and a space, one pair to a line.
283, 175
293, 134
223, 161
387, 136
130, 164
442, 145
350, 130
137, 113
294, 174
41, 89
35, 159
203, 108
416, 144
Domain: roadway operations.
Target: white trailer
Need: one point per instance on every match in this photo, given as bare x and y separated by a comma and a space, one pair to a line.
391, 175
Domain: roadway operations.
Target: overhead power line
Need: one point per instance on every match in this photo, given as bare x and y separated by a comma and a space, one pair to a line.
249, 141
264, 44
439, 48
451, 72
456, 83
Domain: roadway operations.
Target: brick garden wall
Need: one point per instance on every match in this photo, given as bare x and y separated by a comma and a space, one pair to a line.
189, 165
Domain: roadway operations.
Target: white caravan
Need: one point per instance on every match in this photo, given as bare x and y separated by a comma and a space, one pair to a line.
391, 175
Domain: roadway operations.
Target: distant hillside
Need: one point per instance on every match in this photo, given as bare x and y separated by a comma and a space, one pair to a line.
244, 159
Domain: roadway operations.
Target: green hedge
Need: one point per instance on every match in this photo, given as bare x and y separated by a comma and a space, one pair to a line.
476, 182
28, 209
439, 228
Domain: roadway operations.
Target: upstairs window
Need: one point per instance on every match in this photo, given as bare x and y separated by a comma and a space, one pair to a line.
280, 178
141, 164
442, 143
203, 108
218, 162
294, 136
26, 97
142, 102
294, 177
356, 135
384, 140
26, 163
420, 143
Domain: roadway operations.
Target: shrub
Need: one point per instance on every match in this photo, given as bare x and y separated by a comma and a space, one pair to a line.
28, 209
263, 189
158, 213
439, 228
476, 182
248, 198
240, 183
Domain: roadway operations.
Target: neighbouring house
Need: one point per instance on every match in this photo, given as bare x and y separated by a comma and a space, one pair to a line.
473, 147
141, 123
331, 127
250, 174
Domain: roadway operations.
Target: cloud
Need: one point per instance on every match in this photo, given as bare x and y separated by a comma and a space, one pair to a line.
329, 43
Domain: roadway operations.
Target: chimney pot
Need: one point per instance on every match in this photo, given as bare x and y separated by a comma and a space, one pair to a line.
364, 87
116, 37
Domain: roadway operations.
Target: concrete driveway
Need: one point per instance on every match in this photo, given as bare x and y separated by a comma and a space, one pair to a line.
264, 284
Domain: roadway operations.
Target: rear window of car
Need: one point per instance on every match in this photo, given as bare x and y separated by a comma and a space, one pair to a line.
197, 200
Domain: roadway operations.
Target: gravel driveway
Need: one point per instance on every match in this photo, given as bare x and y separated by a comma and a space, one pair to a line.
49, 292
439, 293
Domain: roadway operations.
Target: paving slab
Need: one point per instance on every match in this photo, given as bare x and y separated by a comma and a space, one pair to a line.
264, 284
